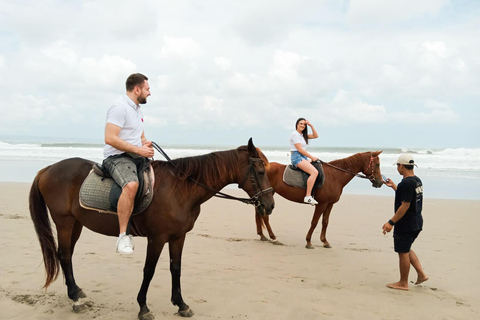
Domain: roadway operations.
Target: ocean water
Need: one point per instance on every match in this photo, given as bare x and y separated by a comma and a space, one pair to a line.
446, 173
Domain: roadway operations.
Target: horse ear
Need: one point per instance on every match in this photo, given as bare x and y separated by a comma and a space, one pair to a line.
376, 153
251, 148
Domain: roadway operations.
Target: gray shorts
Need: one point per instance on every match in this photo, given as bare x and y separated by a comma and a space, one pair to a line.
122, 169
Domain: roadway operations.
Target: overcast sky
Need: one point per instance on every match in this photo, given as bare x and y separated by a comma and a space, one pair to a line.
366, 73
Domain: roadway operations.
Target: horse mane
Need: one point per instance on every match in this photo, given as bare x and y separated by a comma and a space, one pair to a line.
354, 161
264, 159
206, 169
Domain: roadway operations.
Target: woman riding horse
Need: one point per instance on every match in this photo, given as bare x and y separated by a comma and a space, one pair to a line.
337, 174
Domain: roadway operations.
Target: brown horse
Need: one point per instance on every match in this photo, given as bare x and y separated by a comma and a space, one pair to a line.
172, 213
337, 174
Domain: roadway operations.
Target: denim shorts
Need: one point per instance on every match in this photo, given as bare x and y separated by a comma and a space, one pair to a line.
297, 157
122, 169
403, 242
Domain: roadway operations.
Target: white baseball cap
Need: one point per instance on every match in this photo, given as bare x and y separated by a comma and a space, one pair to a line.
406, 159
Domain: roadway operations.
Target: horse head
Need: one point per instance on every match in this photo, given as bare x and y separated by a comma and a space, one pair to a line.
372, 169
253, 179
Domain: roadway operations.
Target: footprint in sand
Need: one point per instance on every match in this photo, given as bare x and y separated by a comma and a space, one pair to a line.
25, 299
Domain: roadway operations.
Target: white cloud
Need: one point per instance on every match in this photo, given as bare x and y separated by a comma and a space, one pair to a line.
181, 48
107, 70
434, 54
163, 82
119, 19
240, 84
61, 51
369, 12
433, 104
223, 63
285, 65
392, 74
346, 108
155, 121
433, 116
213, 104
29, 109
436, 112
438, 49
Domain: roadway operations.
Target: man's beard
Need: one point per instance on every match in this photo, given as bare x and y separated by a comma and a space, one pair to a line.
142, 100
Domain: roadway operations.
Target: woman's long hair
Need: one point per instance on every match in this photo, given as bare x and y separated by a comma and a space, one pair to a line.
305, 131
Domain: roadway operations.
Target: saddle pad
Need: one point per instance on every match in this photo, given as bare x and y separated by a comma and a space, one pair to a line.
295, 178
95, 192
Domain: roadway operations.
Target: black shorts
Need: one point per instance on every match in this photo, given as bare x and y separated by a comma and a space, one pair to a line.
403, 242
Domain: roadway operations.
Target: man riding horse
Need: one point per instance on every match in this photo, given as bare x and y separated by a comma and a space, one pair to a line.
124, 141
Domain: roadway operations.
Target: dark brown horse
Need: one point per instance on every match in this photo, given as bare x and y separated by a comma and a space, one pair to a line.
337, 174
172, 213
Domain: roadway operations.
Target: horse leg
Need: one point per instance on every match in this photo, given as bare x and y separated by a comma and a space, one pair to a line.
319, 208
68, 234
323, 235
176, 248
266, 221
154, 248
77, 230
259, 222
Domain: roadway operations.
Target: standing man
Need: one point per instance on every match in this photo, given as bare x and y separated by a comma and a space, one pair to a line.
407, 220
124, 141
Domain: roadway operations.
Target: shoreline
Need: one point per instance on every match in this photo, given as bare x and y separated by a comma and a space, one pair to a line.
228, 273
468, 190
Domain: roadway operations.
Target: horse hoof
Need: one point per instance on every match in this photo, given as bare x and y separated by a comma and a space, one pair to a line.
186, 313
81, 305
277, 243
81, 294
146, 316
328, 246
309, 246
263, 238
144, 313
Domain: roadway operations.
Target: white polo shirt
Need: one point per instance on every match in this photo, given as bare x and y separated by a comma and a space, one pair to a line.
128, 116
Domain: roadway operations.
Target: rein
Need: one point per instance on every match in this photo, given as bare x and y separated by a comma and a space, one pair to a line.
359, 175
254, 200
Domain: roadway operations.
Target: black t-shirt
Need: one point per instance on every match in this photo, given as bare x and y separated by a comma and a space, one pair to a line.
410, 189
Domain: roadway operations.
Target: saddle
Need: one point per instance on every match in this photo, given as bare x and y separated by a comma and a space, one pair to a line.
100, 192
295, 177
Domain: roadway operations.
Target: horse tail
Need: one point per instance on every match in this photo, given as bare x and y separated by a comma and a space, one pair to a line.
41, 221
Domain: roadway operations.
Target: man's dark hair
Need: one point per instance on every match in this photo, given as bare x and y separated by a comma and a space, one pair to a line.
408, 166
136, 79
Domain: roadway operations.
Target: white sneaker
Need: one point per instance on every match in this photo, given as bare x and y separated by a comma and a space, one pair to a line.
125, 244
310, 200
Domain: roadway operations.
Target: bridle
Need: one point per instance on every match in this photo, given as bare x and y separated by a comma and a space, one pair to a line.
255, 180
359, 175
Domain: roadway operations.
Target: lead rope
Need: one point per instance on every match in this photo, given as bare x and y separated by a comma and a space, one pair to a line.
253, 200
341, 169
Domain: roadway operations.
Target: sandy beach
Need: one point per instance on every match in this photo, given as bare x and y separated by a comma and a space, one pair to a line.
228, 273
